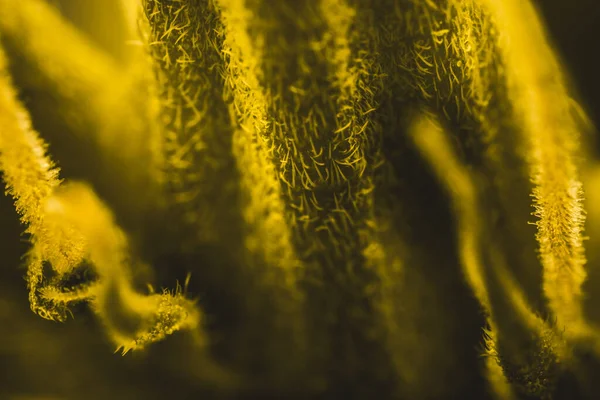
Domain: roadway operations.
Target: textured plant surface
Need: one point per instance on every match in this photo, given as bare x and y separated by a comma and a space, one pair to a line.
295, 199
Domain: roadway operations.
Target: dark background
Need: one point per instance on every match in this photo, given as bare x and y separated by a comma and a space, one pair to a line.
38, 352
574, 29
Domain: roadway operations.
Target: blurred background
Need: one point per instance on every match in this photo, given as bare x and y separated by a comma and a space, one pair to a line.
45, 360
574, 30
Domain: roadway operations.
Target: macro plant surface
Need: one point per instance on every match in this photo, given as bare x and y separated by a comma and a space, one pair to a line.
379, 199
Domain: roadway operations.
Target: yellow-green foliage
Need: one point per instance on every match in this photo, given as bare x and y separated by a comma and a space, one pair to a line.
83, 96
550, 136
349, 183
517, 339
30, 179
132, 320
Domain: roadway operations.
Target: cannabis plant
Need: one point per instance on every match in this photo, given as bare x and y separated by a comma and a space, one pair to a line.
304, 199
